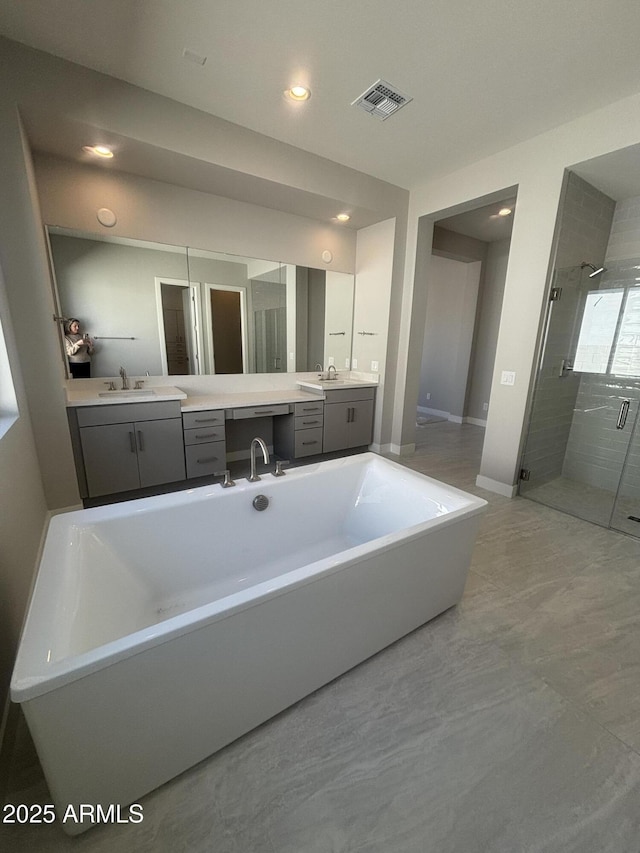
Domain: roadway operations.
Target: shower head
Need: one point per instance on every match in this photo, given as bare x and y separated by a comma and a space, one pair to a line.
596, 270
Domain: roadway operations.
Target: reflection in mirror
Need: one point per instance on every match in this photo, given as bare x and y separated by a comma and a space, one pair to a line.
168, 310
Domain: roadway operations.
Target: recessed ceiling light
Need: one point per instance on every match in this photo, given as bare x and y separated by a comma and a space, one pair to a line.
504, 211
343, 217
298, 93
98, 151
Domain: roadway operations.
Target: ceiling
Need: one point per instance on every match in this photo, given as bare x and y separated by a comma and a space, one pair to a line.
483, 76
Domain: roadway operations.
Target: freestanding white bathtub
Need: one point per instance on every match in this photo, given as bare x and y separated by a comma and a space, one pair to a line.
162, 629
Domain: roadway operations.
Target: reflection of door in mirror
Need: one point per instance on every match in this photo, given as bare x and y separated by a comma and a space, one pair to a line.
175, 337
179, 327
268, 300
227, 329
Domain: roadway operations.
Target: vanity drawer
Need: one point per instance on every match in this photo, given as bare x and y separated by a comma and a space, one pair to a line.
207, 418
310, 408
205, 459
120, 413
340, 395
261, 411
308, 421
201, 435
308, 442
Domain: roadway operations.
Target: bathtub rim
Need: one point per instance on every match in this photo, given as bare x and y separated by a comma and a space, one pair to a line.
47, 677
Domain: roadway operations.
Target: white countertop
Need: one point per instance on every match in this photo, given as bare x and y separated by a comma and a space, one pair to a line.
87, 396
245, 398
334, 384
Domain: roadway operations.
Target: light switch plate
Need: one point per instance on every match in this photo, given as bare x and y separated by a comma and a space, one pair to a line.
508, 377
374, 366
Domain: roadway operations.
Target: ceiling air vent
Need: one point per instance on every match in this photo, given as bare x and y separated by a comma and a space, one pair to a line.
381, 100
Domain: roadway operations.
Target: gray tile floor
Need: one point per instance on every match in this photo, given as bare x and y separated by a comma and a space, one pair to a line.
510, 723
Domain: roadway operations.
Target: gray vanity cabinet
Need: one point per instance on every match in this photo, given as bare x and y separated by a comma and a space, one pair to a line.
299, 434
348, 418
204, 442
130, 446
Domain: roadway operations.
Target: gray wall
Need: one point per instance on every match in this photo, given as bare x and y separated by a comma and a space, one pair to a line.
584, 224
494, 258
23, 510
483, 354
451, 311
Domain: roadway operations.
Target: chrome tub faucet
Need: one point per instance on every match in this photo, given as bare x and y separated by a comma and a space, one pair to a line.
257, 442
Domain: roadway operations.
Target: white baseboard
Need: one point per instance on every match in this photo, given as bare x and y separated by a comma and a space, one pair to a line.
454, 419
402, 449
423, 410
475, 422
496, 486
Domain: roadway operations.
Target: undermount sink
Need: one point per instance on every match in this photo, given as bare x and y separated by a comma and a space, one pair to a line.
133, 392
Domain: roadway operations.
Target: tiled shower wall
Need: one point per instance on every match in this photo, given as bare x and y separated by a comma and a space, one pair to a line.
596, 449
585, 224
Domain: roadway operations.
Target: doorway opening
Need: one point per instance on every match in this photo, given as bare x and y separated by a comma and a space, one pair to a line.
466, 273
178, 304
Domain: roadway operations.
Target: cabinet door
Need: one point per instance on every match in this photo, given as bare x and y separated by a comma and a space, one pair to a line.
335, 435
360, 423
160, 451
110, 458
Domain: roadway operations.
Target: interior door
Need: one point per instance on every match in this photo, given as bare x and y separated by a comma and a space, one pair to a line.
190, 314
226, 330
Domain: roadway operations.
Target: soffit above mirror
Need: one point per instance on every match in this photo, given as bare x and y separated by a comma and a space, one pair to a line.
56, 135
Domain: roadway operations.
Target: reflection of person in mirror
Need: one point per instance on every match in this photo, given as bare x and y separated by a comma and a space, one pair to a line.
79, 349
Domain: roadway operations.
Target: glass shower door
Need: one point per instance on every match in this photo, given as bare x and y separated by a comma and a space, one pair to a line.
583, 413
626, 512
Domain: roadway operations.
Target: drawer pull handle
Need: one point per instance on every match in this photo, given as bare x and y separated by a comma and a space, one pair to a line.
206, 420
310, 442
207, 435
140, 441
206, 460
310, 409
263, 411
132, 442
306, 423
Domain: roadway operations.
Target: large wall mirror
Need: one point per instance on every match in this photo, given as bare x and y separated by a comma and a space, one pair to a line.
171, 310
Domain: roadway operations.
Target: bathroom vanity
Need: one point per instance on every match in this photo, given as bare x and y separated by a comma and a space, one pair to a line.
130, 443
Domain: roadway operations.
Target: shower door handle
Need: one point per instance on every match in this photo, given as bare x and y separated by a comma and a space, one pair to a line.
622, 414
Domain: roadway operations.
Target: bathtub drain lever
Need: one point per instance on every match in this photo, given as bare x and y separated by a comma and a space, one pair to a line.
279, 464
228, 482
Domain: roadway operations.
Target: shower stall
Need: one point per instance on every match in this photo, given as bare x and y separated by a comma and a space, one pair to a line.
582, 453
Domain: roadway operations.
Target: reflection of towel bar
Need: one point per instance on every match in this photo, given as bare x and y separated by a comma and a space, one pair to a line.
337, 333
367, 333
111, 338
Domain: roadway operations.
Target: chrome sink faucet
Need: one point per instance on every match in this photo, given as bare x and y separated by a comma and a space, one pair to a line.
257, 442
335, 372
125, 381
